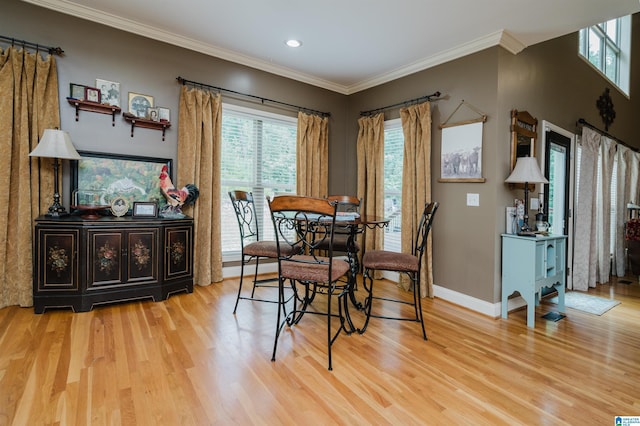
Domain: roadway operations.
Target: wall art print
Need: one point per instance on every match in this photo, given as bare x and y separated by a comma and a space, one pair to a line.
109, 176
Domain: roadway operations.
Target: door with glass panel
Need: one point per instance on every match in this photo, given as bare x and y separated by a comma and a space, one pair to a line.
557, 195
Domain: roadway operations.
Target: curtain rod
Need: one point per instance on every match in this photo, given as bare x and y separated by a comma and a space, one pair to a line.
52, 50
258, 98
405, 103
582, 121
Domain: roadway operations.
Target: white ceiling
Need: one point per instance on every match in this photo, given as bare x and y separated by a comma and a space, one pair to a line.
348, 45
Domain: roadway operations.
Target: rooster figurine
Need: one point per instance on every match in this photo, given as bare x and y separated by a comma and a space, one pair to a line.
176, 198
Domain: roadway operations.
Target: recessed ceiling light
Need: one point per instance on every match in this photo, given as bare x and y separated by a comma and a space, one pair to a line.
293, 43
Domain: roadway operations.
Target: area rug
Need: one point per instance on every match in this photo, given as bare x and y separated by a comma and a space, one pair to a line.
586, 302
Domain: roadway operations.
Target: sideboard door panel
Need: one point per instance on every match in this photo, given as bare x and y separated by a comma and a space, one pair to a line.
106, 253
142, 248
57, 268
178, 261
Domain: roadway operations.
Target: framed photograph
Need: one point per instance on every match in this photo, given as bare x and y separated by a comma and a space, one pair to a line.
119, 206
153, 114
145, 209
139, 104
76, 91
164, 114
132, 178
92, 94
461, 156
109, 92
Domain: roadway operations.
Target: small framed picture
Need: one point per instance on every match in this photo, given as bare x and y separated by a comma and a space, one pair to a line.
109, 92
139, 104
164, 114
145, 209
153, 114
92, 94
119, 206
76, 91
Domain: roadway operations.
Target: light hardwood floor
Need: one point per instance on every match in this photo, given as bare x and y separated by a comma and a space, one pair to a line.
190, 361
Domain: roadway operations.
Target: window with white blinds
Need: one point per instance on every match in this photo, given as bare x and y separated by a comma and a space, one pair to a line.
393, 158
258, 155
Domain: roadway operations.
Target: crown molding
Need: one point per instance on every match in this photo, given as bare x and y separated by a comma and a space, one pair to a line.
501, 38
498, 38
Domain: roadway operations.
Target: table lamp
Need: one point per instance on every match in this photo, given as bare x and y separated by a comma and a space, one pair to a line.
526, 171
55, 144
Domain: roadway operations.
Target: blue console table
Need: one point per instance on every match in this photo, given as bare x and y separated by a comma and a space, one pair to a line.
530, 264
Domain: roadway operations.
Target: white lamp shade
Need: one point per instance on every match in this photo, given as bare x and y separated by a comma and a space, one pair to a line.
526, 171
55, 144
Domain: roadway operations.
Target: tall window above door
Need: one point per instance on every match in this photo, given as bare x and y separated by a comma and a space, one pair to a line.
259, 156
393, 158
607, 47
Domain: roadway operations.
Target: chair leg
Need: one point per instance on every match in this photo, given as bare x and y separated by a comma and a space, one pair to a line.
255, 278
329, 340
369, 300
282, 317
242, 262
417, 303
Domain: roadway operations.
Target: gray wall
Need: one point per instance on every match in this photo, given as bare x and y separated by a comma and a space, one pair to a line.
145, 66
548, 80
551, 82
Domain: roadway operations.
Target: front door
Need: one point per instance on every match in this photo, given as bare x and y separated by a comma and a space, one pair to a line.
558, 193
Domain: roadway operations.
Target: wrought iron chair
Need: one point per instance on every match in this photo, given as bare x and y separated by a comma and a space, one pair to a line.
409, 264
252, 246
303, 223
348, 206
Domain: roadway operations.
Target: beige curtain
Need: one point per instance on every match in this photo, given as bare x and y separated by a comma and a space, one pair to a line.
603, 211
585, 246
312, 155
370, 154
624, 159
199, 150
28, 106
416, 185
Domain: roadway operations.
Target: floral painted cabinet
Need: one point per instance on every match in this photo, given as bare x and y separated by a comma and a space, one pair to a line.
122, 257
57, 266
81, 264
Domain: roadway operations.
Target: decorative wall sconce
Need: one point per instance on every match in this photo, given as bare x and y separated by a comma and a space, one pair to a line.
605, 106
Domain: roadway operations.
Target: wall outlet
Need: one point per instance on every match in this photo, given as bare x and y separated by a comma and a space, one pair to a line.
473, 199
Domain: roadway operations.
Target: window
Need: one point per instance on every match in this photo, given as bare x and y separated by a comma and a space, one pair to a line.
393, 158
258, 155
607, 46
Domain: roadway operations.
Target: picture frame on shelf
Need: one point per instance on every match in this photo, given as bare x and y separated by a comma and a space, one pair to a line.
145, 209
152, 114
134, 178
76, 91
109, 92
164, 114
92, 94
139, 104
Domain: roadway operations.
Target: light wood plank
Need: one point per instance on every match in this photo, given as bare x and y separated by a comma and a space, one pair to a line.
189, 361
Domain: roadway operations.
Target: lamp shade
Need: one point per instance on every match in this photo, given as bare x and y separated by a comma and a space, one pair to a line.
526, 171
55, 144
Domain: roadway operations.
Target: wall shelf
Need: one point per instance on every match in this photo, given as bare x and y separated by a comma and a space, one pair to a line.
146, 123
95, 107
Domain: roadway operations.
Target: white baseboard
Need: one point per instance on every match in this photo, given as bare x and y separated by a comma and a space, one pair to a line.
477, 305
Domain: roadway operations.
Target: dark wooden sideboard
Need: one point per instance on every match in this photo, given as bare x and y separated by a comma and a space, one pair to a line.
81, 263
